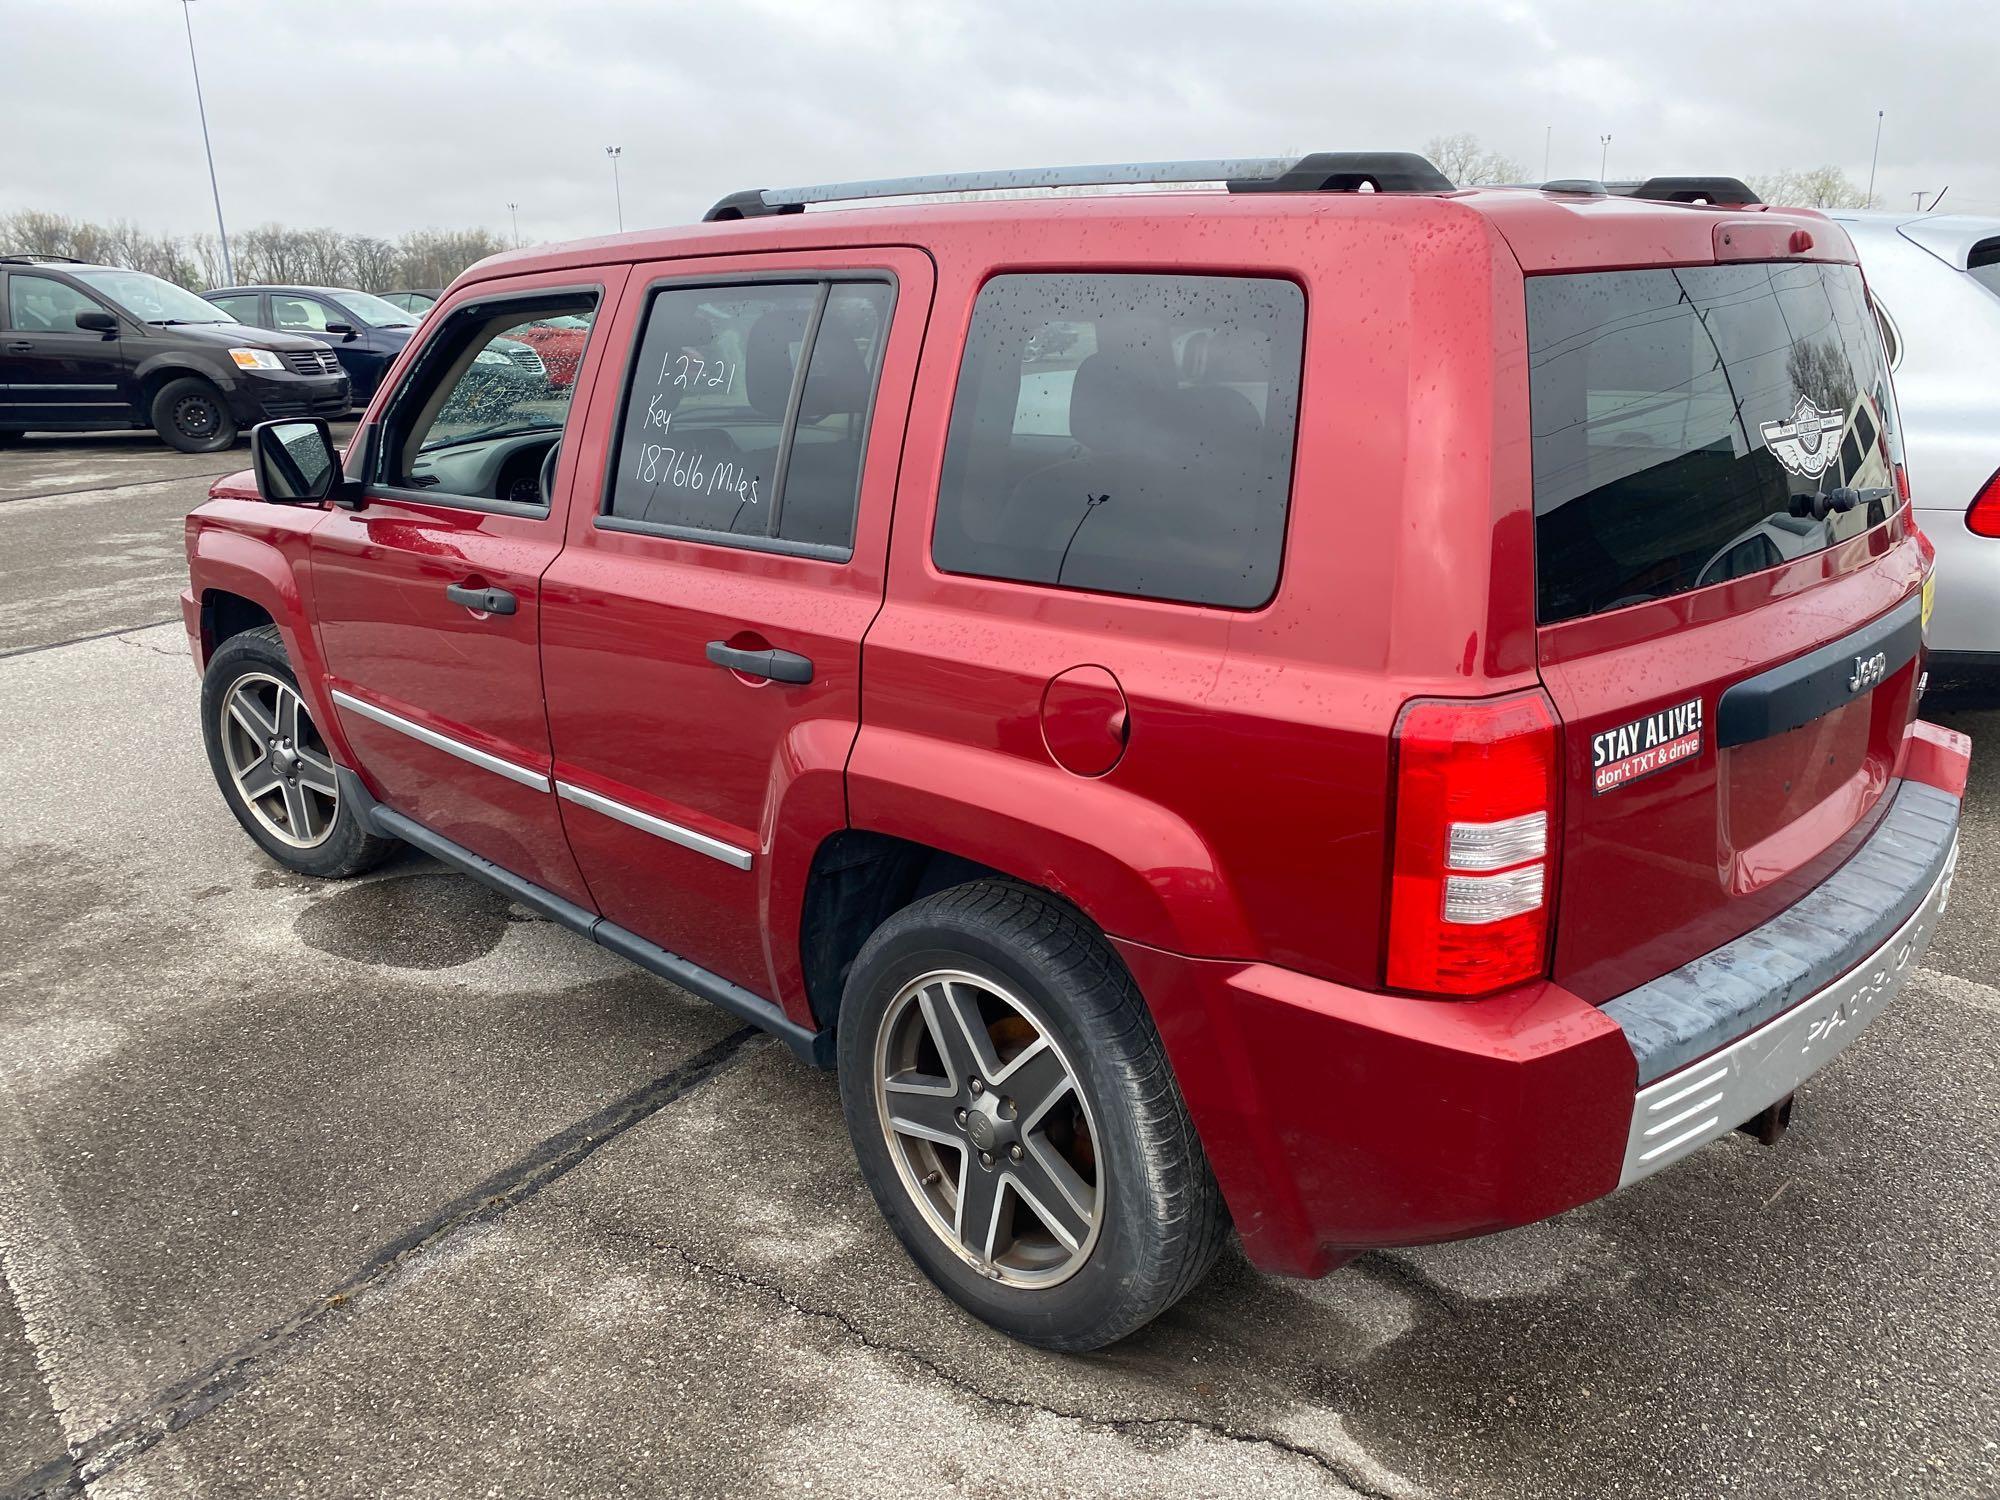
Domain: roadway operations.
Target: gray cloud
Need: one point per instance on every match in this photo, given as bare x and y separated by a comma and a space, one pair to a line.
380, 116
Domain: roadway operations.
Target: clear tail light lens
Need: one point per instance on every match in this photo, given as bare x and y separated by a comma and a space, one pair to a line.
1471, 884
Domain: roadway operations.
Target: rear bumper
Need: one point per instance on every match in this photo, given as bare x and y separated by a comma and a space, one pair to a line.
1967, 618
1339, 1120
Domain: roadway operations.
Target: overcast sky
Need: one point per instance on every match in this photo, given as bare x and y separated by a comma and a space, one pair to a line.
381, 117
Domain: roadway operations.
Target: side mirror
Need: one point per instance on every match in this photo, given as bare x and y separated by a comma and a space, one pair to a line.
345, 330
295, 461
98, 322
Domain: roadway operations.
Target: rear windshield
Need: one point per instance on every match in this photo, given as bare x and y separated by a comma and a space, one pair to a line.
1983, 265
1685, 419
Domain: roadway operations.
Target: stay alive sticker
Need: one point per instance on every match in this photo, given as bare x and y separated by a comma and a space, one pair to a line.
1640, 748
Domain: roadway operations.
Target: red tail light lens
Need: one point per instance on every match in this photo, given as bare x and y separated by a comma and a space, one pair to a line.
1984, 516
1475, 812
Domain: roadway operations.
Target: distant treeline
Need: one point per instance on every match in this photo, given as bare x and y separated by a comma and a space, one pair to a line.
270, 253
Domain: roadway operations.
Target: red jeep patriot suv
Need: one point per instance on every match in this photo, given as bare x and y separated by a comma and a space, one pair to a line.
1320, 702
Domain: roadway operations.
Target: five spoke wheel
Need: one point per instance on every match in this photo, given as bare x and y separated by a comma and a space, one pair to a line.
988, 1128
278, 761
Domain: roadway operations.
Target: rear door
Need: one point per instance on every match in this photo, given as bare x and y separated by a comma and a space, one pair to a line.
1728, 586
428, 598
53, 370
701, 633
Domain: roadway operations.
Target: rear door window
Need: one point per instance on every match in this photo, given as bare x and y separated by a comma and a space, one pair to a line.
1127, 434
747, 413
1684, 420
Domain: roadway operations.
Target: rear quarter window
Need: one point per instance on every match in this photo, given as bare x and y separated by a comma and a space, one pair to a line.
1127, 434
1683, 420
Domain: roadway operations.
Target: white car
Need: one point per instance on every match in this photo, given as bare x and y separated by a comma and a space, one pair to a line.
1936, 283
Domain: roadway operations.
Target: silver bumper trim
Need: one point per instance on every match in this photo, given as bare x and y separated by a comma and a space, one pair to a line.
1707, 1099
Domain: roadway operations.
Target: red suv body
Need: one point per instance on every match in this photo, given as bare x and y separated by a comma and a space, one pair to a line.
1487, 739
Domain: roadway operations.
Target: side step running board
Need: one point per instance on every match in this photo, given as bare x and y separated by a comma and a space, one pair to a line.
815, 1047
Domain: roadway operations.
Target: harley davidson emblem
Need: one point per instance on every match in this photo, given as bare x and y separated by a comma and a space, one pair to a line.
1806, 441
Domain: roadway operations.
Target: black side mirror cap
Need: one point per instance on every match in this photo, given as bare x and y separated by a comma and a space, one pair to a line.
295, 461
345, 330
98, 322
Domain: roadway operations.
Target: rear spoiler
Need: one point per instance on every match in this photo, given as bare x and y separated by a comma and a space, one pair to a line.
1716, 192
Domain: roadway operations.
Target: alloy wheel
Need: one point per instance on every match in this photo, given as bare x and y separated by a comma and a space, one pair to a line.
989, 1129
278, 761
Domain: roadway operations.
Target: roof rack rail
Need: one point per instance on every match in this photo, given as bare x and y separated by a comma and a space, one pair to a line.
1722, 192
34, 258
1319, 172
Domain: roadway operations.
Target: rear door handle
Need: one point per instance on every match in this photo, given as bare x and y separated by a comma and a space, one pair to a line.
484, 601
774, 666
22, 348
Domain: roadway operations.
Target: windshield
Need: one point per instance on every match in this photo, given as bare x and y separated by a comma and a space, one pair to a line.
152, 300
376, 312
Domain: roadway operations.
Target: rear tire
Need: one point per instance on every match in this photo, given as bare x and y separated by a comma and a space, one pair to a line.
273, 765
1057, 1108
191, 415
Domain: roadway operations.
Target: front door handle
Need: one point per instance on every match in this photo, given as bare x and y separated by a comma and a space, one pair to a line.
773, 666
484, 601
21, 348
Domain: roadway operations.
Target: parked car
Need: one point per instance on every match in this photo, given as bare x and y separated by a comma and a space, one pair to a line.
1936, 283
366, 332
1291, 771
416, 302
559, 342
87, 347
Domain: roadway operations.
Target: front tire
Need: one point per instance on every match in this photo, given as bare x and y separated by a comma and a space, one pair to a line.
1014, 1114
191, 415
273, 765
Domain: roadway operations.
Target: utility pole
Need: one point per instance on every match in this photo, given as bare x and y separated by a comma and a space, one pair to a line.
1917, 198
1603, 156
614, 152
1874, 159
1548, 141
515, 210
222, 234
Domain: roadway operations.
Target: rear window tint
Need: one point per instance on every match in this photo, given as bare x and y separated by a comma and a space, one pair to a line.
1125, 434
1683, 420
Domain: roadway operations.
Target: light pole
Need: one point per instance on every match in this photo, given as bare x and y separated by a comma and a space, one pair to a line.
222, 234
1548, 141
515, 210
614, 152
1873, 159
1603, 156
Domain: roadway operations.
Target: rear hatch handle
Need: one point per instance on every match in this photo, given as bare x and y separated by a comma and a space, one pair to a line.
1809, 686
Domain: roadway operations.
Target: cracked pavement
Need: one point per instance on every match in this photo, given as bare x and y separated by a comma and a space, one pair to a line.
390, 1188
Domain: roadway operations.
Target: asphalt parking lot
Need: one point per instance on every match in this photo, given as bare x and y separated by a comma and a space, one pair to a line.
390, 1188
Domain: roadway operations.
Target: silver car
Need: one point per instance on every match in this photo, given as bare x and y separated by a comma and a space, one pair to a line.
1936, 282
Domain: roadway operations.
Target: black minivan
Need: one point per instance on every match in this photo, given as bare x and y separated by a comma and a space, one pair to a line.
85, 347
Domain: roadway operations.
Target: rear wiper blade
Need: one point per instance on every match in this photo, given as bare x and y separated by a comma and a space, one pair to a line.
1822, 503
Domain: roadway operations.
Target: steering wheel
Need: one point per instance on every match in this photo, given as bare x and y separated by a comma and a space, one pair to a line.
548, 480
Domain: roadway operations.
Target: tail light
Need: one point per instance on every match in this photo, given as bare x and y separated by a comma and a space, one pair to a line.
1471, 884
1984, 516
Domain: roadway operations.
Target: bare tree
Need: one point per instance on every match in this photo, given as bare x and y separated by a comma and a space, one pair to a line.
1821, 187
371, 263
1461, 158
270, 253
